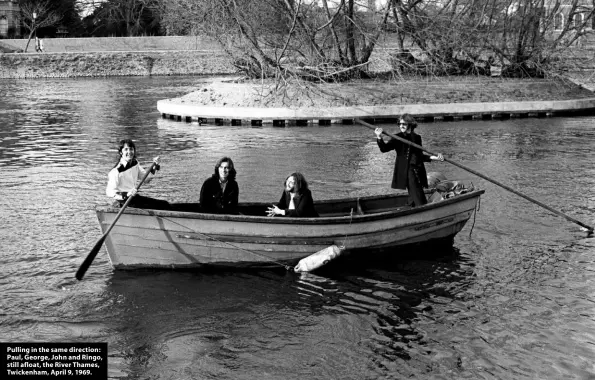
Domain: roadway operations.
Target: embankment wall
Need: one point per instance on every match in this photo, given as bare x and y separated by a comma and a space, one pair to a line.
103, 64
159, 55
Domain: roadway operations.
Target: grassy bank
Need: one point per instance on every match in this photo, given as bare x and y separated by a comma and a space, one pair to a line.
102, 64
404, 90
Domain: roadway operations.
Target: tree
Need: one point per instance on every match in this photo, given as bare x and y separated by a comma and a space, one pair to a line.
125, 17
458, 36
71, 17
334, 39
37, 14
267, 38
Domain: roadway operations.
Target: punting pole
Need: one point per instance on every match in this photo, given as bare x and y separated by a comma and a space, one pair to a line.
570, 219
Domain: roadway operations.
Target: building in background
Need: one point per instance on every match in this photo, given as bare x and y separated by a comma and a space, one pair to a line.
573, 13
9, 19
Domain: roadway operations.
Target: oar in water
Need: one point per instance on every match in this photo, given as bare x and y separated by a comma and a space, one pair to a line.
589, 228
95, 250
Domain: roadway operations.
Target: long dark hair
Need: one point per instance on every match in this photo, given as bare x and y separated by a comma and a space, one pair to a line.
300, 184
121, 145
232, 170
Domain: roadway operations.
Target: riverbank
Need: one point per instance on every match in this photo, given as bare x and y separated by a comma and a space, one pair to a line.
318, 99
118, 63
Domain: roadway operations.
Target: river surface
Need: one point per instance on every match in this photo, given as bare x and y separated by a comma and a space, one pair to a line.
513, 299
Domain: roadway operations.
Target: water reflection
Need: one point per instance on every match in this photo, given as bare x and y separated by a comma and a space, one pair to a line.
514, 300
61, 122
231, 323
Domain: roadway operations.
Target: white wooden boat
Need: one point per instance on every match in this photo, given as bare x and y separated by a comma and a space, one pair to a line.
184, 238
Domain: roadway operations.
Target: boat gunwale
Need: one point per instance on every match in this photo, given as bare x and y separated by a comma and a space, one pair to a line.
354, 218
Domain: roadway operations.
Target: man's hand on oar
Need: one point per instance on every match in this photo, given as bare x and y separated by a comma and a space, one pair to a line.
588, 228
95, 250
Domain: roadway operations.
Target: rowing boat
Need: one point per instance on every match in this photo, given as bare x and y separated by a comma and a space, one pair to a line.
183, 237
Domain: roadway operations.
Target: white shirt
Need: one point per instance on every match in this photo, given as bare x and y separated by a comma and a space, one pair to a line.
123, 181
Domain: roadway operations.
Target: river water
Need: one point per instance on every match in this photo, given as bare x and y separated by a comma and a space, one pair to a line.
513, 299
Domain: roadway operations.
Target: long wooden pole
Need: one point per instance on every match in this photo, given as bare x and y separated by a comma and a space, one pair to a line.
570, 219
91, 256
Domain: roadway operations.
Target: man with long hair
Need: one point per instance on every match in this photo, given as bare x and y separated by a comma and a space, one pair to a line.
219, 193
296, 199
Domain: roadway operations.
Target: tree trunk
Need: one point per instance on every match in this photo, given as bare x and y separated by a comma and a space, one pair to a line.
350, 33
29, 39
334, 32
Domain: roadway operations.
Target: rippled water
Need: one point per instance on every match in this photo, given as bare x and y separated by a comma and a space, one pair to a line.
513, 300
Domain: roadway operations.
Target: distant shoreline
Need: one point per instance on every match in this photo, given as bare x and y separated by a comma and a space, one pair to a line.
117, 63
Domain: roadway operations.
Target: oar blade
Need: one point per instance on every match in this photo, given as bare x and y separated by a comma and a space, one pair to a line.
91, 256
80, 273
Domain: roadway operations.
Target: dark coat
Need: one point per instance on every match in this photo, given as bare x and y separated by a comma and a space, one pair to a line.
215, 201
304, 205
407, 156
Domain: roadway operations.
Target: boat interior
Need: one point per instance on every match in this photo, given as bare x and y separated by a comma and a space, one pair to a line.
342, 207
325, 208
355, 206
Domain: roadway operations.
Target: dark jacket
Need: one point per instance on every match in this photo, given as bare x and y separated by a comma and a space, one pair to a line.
304, 205
407, 156
215, 201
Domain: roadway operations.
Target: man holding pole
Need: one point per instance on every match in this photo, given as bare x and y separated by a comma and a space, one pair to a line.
410, 172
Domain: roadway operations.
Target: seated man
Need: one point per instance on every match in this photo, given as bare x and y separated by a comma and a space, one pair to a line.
219, 193
296, 199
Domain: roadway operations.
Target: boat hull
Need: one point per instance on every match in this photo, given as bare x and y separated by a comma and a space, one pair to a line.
174, 239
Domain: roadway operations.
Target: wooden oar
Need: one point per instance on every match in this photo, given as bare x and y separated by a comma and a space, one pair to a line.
95, 250
589, 228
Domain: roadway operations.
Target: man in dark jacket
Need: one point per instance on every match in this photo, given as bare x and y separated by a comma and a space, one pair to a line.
296, 200
410, 172
219, 193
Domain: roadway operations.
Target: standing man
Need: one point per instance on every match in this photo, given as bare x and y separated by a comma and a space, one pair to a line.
410, 172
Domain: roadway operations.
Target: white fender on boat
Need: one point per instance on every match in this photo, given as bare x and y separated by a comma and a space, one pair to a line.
318, 259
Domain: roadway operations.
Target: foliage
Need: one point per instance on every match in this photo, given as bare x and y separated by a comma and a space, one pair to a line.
69, 19
123, 17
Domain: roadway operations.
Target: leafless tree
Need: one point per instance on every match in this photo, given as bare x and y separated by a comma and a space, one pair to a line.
129, 17
44, 16
269, 37
334, 39
458, 36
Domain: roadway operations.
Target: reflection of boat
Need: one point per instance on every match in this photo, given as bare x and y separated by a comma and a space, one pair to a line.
182, 237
